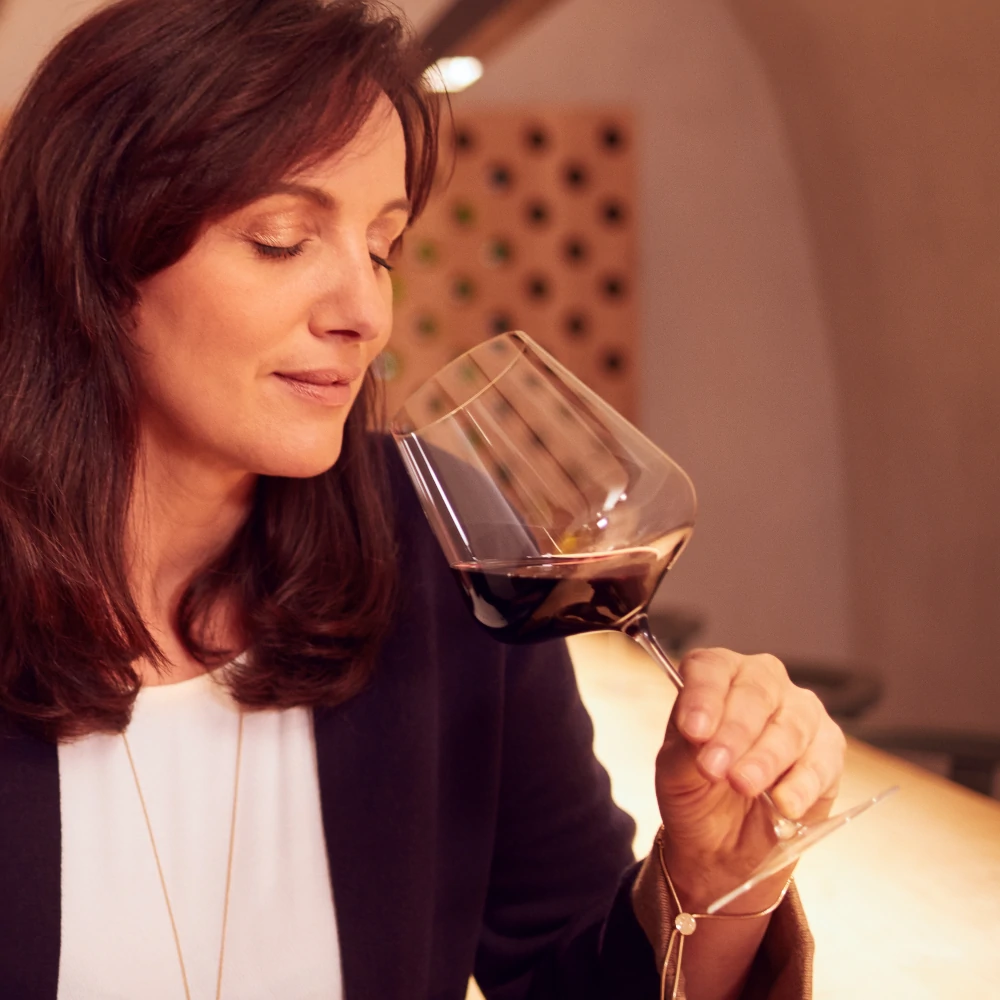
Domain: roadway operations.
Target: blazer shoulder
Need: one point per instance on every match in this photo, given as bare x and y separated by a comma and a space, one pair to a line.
21, 750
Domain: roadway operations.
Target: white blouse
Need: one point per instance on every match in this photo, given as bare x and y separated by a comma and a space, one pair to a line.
116, 937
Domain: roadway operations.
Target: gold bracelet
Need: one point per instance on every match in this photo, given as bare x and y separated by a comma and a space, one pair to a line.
685, 924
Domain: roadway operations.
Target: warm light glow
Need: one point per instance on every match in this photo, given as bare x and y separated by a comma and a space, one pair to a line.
453, 74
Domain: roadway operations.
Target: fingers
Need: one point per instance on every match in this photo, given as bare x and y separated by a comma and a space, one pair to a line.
727, 702
754, 699
815, 776
708, 675
780, 744
757, 729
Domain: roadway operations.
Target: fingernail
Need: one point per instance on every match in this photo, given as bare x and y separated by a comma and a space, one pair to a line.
696, 724
753, 777
716, 761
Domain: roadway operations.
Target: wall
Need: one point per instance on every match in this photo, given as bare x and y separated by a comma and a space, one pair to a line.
822, 261
28, 29
738, 380
892, 116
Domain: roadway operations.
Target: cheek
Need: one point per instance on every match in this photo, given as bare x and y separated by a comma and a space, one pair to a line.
198, 326
197, 365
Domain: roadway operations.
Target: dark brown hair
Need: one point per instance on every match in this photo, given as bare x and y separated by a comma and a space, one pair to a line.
146, 122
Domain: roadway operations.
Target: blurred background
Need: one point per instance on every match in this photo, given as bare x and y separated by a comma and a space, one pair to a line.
807, 308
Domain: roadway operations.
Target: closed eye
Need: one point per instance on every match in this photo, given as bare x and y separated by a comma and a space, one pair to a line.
271, 252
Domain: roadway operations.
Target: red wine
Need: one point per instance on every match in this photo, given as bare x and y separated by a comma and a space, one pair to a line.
552, 596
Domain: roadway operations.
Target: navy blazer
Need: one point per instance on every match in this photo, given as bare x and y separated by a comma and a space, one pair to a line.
468, 825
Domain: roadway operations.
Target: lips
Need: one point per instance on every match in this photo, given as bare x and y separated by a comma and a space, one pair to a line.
323, 376
327, 386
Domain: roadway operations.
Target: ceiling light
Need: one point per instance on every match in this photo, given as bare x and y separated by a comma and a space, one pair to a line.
453, 74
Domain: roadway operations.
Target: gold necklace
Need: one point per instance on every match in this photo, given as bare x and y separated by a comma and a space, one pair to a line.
229, 862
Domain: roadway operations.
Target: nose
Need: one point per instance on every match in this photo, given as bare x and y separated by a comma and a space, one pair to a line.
352, 300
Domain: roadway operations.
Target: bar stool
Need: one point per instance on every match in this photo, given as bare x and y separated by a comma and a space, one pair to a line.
971, 759
847, 691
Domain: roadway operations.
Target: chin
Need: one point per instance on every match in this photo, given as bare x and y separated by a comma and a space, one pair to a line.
309, 459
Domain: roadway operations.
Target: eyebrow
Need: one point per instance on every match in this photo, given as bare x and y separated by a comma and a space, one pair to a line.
321, 198
313, 194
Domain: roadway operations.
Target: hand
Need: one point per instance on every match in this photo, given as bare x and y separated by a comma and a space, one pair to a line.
739, 727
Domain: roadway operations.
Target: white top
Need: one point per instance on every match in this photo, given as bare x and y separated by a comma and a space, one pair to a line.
116, 936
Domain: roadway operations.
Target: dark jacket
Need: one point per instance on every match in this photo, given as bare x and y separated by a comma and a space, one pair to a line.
468, 825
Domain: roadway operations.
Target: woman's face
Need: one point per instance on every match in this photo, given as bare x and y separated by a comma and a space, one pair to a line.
253, 346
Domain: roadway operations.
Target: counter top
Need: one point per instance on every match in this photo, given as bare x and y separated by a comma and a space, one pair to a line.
903, 903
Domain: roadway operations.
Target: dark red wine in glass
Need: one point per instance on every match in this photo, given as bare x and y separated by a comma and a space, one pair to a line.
551, 598
556, 515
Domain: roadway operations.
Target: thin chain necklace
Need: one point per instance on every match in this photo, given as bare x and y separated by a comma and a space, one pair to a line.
229, 862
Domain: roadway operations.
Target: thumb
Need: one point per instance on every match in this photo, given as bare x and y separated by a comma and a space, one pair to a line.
677, 771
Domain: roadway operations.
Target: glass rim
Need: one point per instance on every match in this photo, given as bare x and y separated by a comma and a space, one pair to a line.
518, 337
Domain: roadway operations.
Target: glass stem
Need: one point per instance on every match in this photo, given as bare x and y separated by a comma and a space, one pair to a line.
637, 629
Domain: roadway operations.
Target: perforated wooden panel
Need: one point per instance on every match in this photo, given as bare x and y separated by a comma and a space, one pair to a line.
535, 231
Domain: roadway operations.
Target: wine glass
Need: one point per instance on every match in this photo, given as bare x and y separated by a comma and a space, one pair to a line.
556, 515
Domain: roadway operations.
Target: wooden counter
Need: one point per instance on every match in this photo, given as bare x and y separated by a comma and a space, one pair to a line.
904, 903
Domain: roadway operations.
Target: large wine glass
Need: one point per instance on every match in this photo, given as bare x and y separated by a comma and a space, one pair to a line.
556, 515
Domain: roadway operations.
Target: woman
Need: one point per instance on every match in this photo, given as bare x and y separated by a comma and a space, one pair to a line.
252, 744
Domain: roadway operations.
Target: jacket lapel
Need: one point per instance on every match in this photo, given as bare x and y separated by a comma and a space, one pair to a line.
376, 787
30, 866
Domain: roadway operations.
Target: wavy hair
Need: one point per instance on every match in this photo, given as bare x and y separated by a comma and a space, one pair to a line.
146, 122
